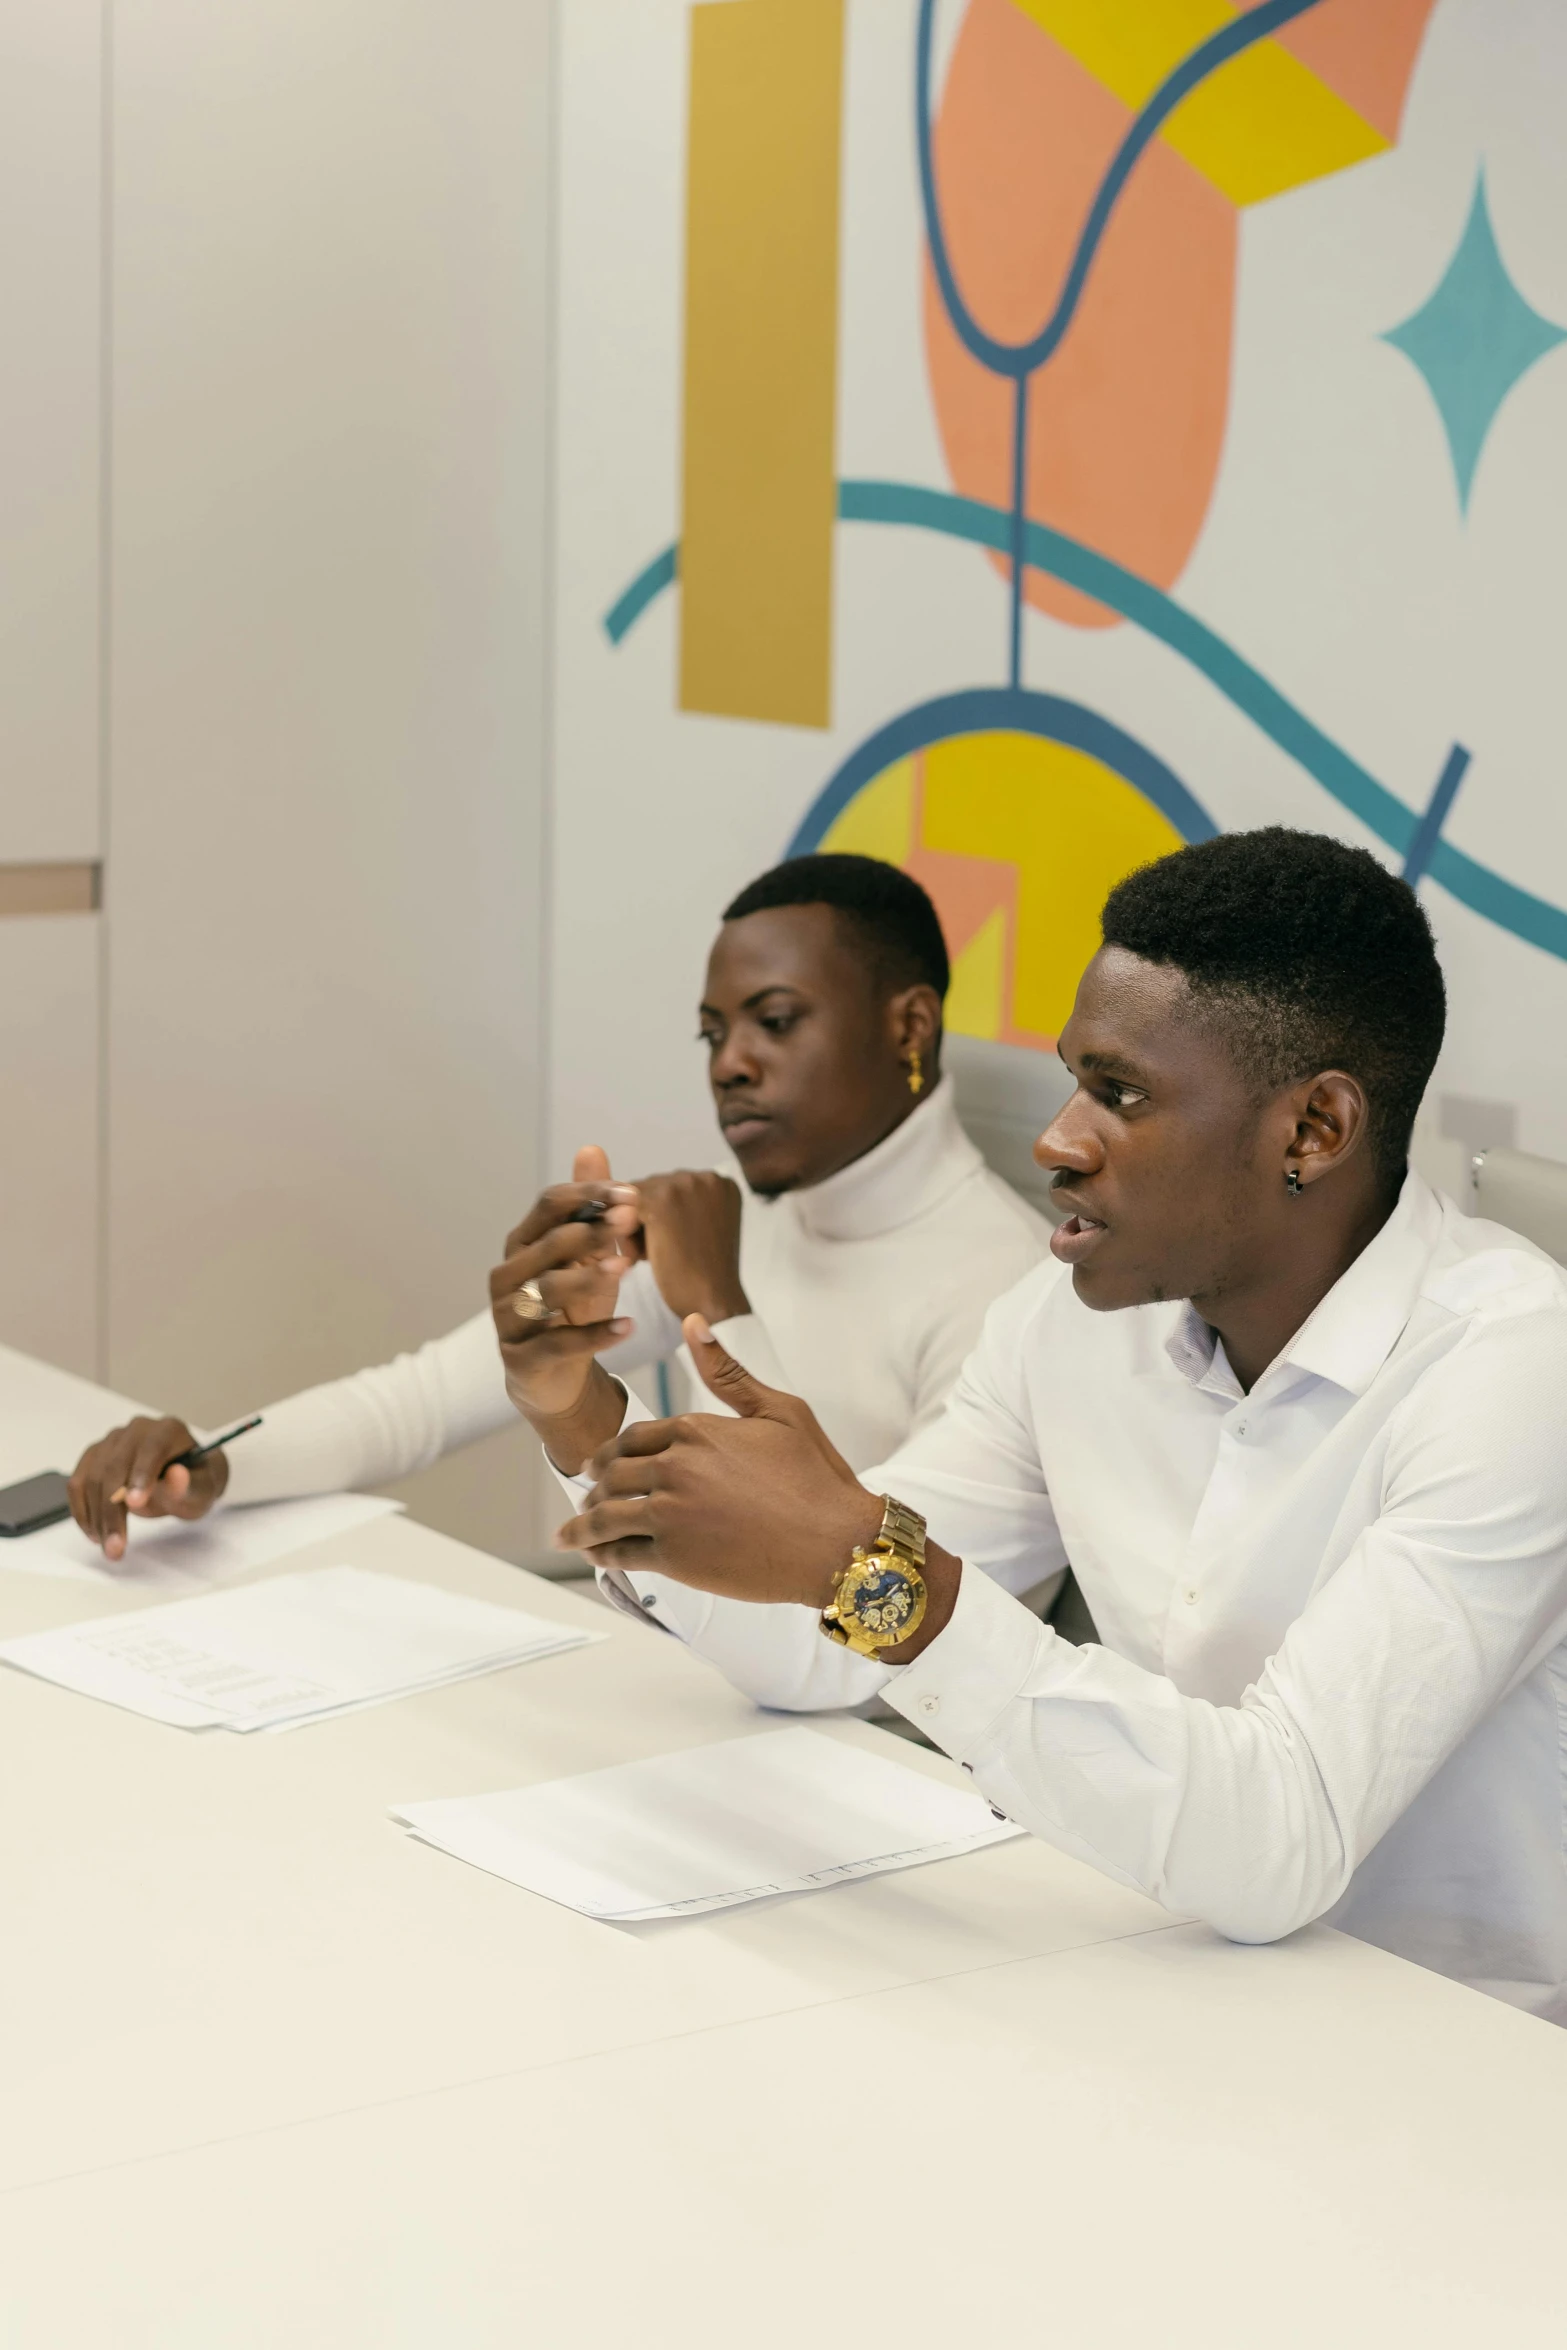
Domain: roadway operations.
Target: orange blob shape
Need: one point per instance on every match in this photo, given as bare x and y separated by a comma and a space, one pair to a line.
1126, 422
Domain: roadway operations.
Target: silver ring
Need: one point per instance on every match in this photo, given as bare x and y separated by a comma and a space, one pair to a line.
530, 1304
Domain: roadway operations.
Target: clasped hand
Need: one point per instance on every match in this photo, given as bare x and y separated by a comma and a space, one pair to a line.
554, 1296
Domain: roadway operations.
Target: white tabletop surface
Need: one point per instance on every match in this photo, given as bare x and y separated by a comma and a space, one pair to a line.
271, 2070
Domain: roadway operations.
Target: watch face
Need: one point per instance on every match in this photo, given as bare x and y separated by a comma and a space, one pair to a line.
882, 1600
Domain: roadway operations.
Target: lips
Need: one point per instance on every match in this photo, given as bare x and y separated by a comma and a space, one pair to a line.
1077, 1238
745, 1127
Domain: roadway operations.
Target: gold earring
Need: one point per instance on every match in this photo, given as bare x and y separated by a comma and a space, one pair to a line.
916, 1074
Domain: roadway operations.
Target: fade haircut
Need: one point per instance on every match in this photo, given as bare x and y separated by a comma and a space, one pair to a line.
883, 913
1304, 955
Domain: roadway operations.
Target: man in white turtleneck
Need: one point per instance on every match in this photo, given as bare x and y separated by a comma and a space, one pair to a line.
848, 1252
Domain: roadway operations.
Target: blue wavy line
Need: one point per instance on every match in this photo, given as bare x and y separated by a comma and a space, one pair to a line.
1502, 902
628, 608
1149, 608
1022, 359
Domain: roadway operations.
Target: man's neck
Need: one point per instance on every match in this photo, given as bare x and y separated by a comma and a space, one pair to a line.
1256, 1319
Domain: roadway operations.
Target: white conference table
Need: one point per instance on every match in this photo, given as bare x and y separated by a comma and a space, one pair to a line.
272, 2071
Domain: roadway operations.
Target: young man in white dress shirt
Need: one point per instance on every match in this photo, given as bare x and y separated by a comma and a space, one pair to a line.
1296, 1421
855, 1198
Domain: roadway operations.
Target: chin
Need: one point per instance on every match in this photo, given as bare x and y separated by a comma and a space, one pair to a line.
1105, 1291
767, 1173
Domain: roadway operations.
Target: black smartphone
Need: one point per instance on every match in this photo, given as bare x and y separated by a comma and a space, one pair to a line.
37, 1501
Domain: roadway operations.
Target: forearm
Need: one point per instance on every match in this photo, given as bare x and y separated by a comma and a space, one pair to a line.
776, 1656
779, 1655
1216, 1811
377, 1424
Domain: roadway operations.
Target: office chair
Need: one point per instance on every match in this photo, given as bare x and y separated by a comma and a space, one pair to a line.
1527, 1194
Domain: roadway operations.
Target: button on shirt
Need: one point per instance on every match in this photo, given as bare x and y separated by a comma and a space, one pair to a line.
1333, 1679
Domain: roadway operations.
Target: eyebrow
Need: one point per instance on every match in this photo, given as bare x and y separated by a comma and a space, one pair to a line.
1113, 1064
773, 987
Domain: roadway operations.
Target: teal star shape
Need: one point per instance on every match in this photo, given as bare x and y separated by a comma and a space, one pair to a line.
1472, 341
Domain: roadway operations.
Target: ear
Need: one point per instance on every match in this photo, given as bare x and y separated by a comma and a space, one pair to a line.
1331, 1117
914, 1015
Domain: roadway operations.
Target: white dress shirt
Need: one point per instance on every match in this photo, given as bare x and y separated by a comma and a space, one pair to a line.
867, 1292
1333, 1679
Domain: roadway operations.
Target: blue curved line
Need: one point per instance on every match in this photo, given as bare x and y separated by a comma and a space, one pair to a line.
1502, 902
1149, 608
1021, 359
992, 708
651, 581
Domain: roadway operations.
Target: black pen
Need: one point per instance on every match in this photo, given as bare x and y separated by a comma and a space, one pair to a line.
195, 1454
198, 1452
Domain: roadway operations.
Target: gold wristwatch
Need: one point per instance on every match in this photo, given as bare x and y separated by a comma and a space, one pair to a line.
879, 1599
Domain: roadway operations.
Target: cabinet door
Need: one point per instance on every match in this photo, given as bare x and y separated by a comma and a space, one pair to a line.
51, 144
51, 141
49, 1137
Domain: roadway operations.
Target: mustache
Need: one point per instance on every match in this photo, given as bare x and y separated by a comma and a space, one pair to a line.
1065, 1193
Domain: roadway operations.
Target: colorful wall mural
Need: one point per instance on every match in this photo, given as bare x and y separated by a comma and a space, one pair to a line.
1051, 248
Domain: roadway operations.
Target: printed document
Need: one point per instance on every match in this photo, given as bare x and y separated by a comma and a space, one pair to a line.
782, 1812
291, 1650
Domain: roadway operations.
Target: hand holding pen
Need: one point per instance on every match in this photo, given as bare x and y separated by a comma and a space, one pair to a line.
150, 1469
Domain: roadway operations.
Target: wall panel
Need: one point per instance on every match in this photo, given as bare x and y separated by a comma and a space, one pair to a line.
326, 740
51, 120
49, 1138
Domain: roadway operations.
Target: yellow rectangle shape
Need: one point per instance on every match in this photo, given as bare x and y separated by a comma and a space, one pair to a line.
1258, 125
761, 359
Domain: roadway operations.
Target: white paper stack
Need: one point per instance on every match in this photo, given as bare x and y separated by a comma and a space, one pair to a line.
782, 1812
276, 1654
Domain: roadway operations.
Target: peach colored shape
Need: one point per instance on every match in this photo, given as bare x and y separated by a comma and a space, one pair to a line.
1127, 421
1363, 49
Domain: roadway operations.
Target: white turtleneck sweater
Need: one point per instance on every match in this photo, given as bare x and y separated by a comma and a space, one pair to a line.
867, 1292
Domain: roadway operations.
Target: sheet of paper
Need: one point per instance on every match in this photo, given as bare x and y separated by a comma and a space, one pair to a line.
293, 1649
165, 1553
711, 1826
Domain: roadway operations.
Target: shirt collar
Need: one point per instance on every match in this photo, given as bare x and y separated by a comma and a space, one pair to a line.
1349, 1335
909, 1170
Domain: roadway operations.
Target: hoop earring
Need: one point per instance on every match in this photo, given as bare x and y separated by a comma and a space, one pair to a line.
1293, 1182
916, 1074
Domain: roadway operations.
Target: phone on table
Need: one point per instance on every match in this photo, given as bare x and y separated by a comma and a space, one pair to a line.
35, 1503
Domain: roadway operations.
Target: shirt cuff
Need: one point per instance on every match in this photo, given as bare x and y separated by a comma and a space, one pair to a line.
671, 1606
745, 1337
581, 1485
973, 1669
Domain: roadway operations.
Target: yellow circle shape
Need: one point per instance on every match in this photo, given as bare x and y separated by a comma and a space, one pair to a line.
1049, 831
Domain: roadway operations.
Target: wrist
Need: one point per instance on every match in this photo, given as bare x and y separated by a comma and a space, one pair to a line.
726, 1302
943, 1573
571, 1438
861, 1523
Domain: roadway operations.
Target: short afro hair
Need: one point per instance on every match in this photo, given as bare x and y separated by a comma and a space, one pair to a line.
1308, 955
889, 915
